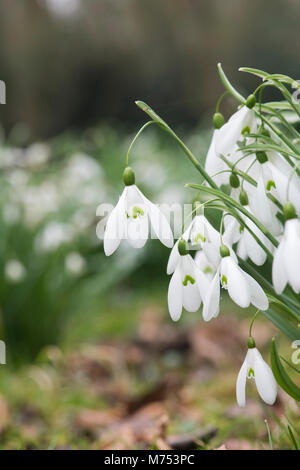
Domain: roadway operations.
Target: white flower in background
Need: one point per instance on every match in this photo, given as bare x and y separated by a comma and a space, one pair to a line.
254, 367
36, 154
14, 271
130, 219
187, 285
54, 235
242, 288
74, 263
286, 263
201, 235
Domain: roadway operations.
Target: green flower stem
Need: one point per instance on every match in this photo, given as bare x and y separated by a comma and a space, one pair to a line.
144, 107
136, 137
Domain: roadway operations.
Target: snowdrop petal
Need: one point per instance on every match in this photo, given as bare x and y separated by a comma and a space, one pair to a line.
191, 297
237, 285
137, 232
211, 301
231, 132
279, 276
264, 379
159, 224
258, 297
255, 252
203, 282
241, 384
115, 227
291, 253
175, 295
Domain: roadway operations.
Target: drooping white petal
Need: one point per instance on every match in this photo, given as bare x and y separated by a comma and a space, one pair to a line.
203, 282
291, 253
214, 164
241, 384
137, 231
159, 223
231, 132
255, 252
264, 379
241, 249
258, 297
211, 301
174, 257
191, 297
175, 294
237, 285
115, 226
279, 276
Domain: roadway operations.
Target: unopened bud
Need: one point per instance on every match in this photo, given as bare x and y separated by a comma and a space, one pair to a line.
250, 101
128, 176
218, 120
182, 247
234, 180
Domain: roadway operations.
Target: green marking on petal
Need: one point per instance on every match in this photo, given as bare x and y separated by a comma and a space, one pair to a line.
251, 373
207, 270
137, 211
198, 237
241, 229
223, 280
187, 279
246, 130
270, 184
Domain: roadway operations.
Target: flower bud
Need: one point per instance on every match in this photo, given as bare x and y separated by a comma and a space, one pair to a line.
251, 343
261, 157
218, 120
243, 197
234, 180
250, 101
289, 211
128, 176
224, 251
182, 247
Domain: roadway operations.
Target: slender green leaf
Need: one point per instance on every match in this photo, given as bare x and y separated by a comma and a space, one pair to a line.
281, 376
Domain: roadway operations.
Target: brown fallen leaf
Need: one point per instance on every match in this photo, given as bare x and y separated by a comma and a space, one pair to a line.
4, 413
90, 419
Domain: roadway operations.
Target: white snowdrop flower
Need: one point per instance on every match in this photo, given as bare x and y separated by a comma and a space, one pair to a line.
232, 131
74, 263
242, 288
186, 285
201, 235
130, 219
82, 167
255, 368
286, 261
14, 271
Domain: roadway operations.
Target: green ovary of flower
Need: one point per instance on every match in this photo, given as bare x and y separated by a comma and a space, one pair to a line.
187, 279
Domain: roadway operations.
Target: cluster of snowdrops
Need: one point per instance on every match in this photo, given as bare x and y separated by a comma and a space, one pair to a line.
251, 175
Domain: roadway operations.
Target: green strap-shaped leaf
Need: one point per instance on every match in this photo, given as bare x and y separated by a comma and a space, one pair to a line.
281, 376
